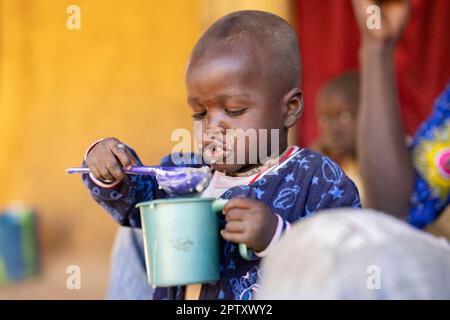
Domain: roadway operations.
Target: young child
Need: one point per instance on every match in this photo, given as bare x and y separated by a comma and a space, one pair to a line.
243, 73
337, 112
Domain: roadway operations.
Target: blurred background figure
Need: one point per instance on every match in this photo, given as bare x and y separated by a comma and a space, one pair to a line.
356, 254
402, 174
337, 106
411, 182
330, 39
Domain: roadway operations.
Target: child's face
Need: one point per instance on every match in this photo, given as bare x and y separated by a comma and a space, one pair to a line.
228, 91
337, 124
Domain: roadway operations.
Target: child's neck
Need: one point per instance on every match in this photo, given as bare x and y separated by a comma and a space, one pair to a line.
252, 169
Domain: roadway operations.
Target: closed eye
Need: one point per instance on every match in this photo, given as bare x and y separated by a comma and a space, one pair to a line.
199, 115
235, 112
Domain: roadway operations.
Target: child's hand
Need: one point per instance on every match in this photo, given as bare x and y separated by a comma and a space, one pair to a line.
249, 221
107, 158
394, 18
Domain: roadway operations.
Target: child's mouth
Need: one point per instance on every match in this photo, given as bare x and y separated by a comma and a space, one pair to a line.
215, 152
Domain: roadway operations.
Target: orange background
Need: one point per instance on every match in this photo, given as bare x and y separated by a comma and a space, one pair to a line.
122, 75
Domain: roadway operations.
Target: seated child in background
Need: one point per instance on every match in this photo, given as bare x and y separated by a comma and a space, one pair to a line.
243, 73
337, 106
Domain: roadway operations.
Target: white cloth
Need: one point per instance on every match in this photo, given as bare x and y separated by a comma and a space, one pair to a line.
356, 254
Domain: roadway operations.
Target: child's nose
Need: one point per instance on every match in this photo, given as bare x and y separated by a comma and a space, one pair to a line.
215, 121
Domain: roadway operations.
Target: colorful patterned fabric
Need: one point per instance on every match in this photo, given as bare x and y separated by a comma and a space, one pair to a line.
430, 152
301, 186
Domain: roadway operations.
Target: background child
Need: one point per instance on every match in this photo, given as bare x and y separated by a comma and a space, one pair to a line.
337, 111
337, 106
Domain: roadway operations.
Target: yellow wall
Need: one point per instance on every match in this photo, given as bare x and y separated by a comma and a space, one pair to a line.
120, 75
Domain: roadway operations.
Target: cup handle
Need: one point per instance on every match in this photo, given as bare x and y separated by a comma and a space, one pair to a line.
218, 206
245, 252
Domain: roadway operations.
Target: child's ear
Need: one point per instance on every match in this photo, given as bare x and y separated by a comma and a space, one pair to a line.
293, 107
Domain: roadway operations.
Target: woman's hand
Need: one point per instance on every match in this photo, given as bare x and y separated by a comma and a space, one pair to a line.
394, 18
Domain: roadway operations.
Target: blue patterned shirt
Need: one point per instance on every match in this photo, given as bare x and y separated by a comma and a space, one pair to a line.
299, 187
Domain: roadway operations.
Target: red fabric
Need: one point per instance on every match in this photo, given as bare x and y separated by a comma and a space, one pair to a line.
329, 40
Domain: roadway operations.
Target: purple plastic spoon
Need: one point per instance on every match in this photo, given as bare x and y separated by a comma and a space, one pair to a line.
173, 180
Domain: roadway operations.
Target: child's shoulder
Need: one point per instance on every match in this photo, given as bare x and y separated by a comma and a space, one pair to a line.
307, 162
309, 154
305, 182
310, 170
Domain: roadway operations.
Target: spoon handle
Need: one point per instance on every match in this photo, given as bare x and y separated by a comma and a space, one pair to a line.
147, 170
78, 170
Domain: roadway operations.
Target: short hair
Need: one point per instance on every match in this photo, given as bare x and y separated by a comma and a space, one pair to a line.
346, 84
264, 32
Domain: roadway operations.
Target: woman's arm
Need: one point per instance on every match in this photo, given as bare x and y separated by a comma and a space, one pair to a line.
383, 157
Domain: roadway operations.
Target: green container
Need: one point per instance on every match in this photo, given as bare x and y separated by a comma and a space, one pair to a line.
3, 275
29, 243
181, 240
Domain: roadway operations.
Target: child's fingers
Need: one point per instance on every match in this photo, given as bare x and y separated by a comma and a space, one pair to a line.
233, 236
235, 226
123, 155
234, 214
105, 174
93, 169
242, 203
113, 167
95, 172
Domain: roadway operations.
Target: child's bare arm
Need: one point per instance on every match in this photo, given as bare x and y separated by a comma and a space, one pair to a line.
383, 156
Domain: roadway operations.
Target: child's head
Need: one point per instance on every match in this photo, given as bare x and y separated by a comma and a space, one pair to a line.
336, 108
244, 73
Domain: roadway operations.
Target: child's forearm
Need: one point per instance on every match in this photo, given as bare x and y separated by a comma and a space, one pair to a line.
383, 156
120, 200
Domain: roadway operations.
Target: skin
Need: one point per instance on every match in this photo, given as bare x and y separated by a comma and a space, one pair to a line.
337, 124
385, 164
226, 90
